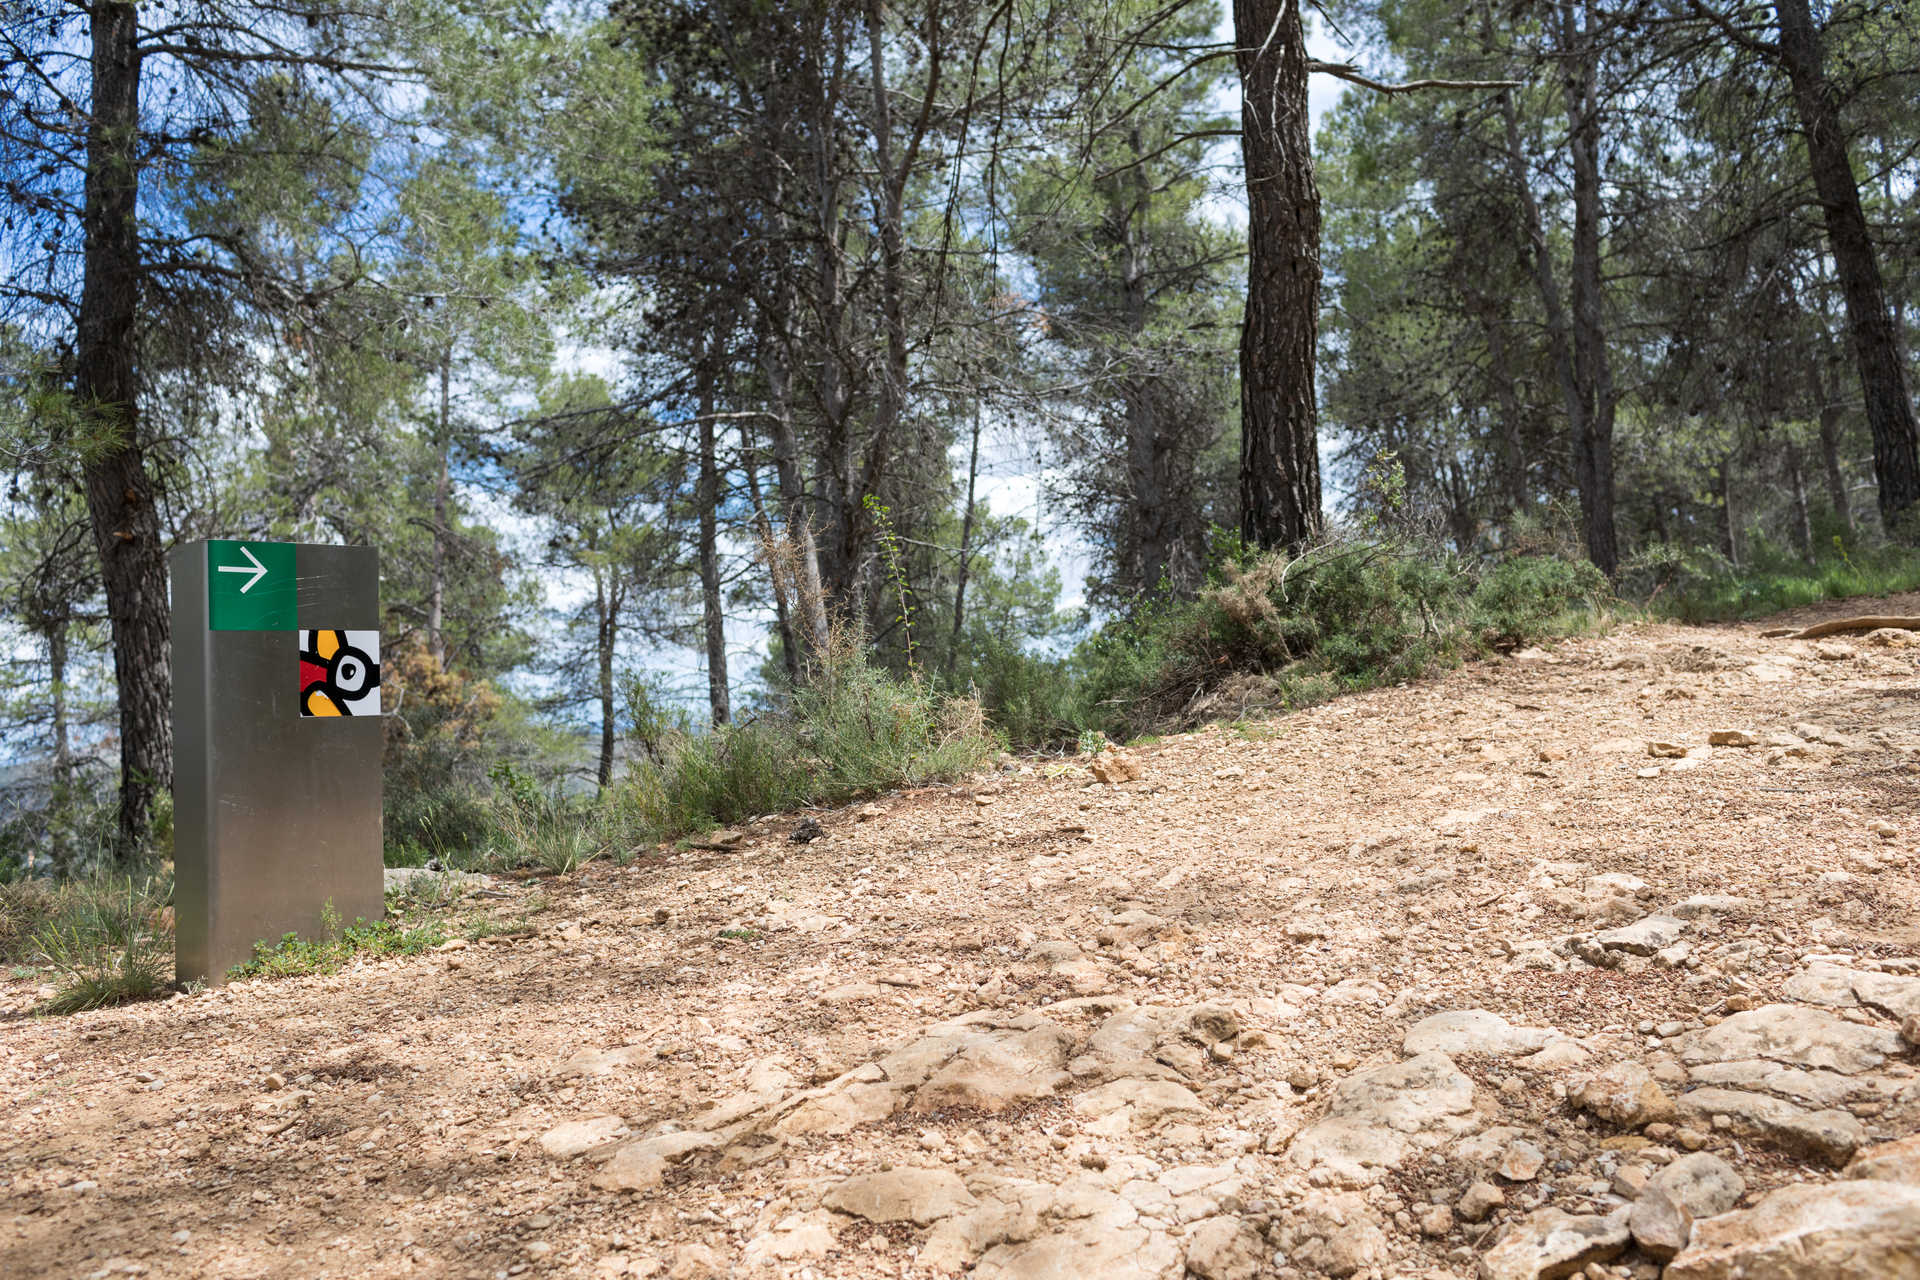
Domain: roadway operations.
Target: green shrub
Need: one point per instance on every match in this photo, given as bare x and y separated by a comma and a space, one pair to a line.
852, 730
1690, 584
107, 939
293, 955
1529, 596
1273, 631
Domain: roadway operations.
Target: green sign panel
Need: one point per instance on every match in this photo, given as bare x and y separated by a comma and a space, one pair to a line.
250, 586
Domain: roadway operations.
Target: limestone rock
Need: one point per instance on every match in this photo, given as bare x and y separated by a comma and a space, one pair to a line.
696, 1262
1710, 904
988, 1070
1626, 1094
1808, 1231
1473, 1031
1481, 1199
1731, 738
563, 1142
841, 1110
1838, 987
920, 1196
1082, 1250
1225, 1248
1139, 1104
1660, 1224
1550, 1244
1889, 1162
1792, 1034
1520, 1162
1334, 1233
631, 1169
1831, 1135
1704, 1183
1643, 937
1380, 1116
794, 1237
1114, 767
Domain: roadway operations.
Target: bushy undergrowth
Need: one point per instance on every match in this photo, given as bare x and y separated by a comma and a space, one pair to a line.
1275, 632
294, 955
1698, 585
851, 730
107, 939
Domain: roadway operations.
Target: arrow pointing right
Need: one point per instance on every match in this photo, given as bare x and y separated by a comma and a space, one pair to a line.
258, 570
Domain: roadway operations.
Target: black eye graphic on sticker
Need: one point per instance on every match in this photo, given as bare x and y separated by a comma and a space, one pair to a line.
337, 676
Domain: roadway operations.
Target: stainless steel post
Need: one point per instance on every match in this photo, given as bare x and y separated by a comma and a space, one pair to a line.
276, 813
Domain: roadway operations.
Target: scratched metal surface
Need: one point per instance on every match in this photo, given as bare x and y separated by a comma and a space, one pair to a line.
275, 815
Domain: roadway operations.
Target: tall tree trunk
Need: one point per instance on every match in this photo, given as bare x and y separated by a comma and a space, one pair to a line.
809, 600
1828, 406
708, 500
437, 585
1729, 519
1279, 446
606, 609
1802, 519
763, 529
1593, 370
61, 810
120, 495
1883, 384
1559, 327
966, 548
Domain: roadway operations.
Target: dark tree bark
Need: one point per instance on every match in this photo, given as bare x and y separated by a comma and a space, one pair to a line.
1593, 371
708, 499
442, 491
120, 493
1889, 407
606, 601
966, 548
1802, 518
1829, 411
1279, 445
763, 529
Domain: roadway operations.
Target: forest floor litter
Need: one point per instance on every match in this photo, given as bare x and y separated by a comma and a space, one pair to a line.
1600, 959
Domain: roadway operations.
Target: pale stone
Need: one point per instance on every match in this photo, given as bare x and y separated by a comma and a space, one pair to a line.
1792, 1034
1807, 1231
1225, 1248
1144, 1103
1473, 1031
794, 1237
1379, 1117
1626, 1094
1085, 1250
1831, 1135
631, 1169
901, 1195
1888, 1162
563, 1142
1549, 1243
1660, 1224
1704, 1183
1644, 936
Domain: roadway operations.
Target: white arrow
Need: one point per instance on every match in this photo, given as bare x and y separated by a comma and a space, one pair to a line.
258, 571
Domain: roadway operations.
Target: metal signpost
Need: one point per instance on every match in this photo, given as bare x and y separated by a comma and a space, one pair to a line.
277, 745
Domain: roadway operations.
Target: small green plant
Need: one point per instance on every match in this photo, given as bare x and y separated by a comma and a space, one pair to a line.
741, 935
107, 947
293, 955
1092, 742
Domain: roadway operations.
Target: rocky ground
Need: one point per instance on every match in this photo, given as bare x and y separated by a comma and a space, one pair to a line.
1599, 961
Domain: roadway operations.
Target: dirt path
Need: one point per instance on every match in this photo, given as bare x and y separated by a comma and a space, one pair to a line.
1049, 1027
